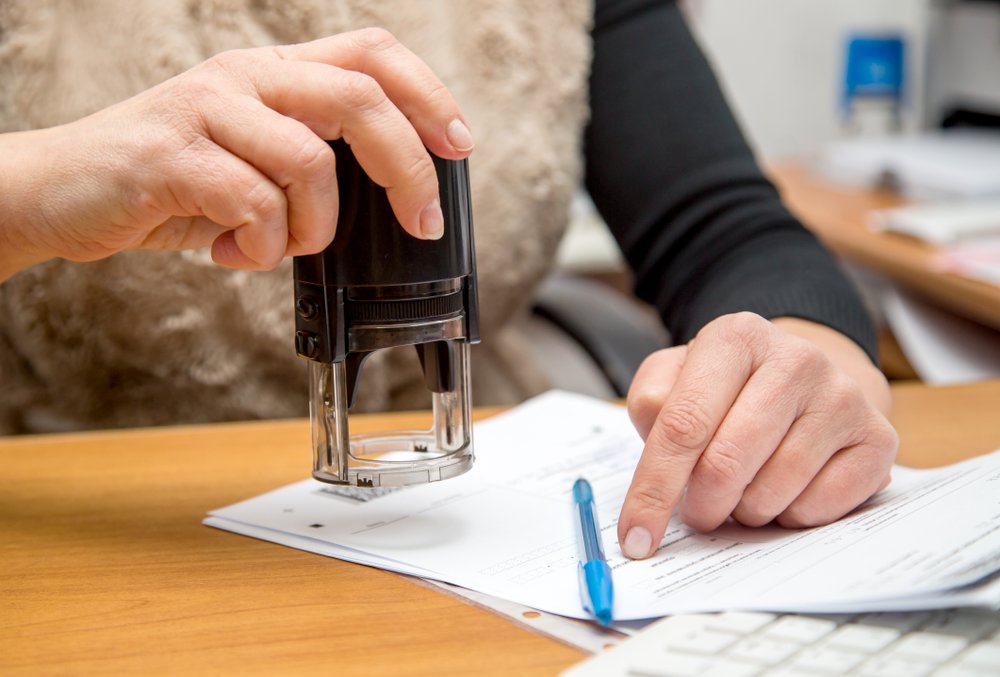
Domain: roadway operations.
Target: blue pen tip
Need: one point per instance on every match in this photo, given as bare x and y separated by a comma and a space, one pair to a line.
604, 617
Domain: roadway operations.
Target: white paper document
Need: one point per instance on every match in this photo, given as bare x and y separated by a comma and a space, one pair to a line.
506, 529
943, 348
942, 223
953, 163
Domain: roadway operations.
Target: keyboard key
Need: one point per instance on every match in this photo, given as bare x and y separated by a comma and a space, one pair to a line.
669, 665
904, 622
972, 624
865, 638
724, 667
799, 629
700, 640
740, 622
928, 646
894, 666
959, 670
740, 644
789, 671
839, 619
762, 650
986, 654
828, 660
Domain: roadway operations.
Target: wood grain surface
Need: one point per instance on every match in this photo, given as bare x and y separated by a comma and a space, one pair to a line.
106, 568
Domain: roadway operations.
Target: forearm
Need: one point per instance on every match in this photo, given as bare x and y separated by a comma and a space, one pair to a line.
23, 181
704, 231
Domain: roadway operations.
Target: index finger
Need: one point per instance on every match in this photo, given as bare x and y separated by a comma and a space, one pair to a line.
341, 103
407, 81
714, 372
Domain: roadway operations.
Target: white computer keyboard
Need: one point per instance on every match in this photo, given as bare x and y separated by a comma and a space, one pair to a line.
953, 642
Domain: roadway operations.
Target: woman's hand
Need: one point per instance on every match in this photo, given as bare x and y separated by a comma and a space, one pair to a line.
758, 421
231, 153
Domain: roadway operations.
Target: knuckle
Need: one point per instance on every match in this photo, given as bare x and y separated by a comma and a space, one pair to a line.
230, 62
185, 151
802, 363
267, 205
888, 439
222, 60
375, 39
805, 356
420, 170
684, 426
750, 515
739, 327
314, 244
701, 522
359, 91
437, 92
315, 160
843, 395
170, 145
749, 323
650, 497
193, 88
181, 106
760, 504
643, 407
738, 337
882, 437
793, 519
721, 465
802, 515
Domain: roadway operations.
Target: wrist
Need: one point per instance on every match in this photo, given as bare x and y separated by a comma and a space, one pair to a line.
60, 185
845, 354
22, 243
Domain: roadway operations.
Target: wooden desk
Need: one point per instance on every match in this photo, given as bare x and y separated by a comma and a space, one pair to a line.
105, 567
838, 215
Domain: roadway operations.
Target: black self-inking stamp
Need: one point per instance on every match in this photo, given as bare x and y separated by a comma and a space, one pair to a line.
378, 287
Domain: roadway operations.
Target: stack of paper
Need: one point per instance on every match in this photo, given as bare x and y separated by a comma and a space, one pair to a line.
966, 232
942, 223
961, 163
977, 258
943, 348
506, 529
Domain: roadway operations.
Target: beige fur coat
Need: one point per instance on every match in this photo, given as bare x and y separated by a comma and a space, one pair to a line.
148, 338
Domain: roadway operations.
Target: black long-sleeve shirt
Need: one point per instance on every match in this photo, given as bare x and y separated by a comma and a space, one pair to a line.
669, 170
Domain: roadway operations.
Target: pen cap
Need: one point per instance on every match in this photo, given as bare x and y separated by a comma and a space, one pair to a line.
376, 287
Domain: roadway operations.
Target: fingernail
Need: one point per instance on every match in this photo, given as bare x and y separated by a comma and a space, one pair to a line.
459, 135
637, 543
432, 221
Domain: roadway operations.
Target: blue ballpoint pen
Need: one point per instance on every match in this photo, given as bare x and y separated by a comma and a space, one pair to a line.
595, 574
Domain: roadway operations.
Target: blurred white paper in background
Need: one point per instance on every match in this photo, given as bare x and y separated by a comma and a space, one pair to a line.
942, 222
966, 232
933, 165
943, 348
978, 258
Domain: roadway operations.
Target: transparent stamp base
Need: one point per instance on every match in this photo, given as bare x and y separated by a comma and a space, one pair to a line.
390, 458
399, 459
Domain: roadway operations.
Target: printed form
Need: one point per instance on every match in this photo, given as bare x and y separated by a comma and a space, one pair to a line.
505, 528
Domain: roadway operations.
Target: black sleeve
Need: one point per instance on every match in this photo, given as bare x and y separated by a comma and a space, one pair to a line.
669, 170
